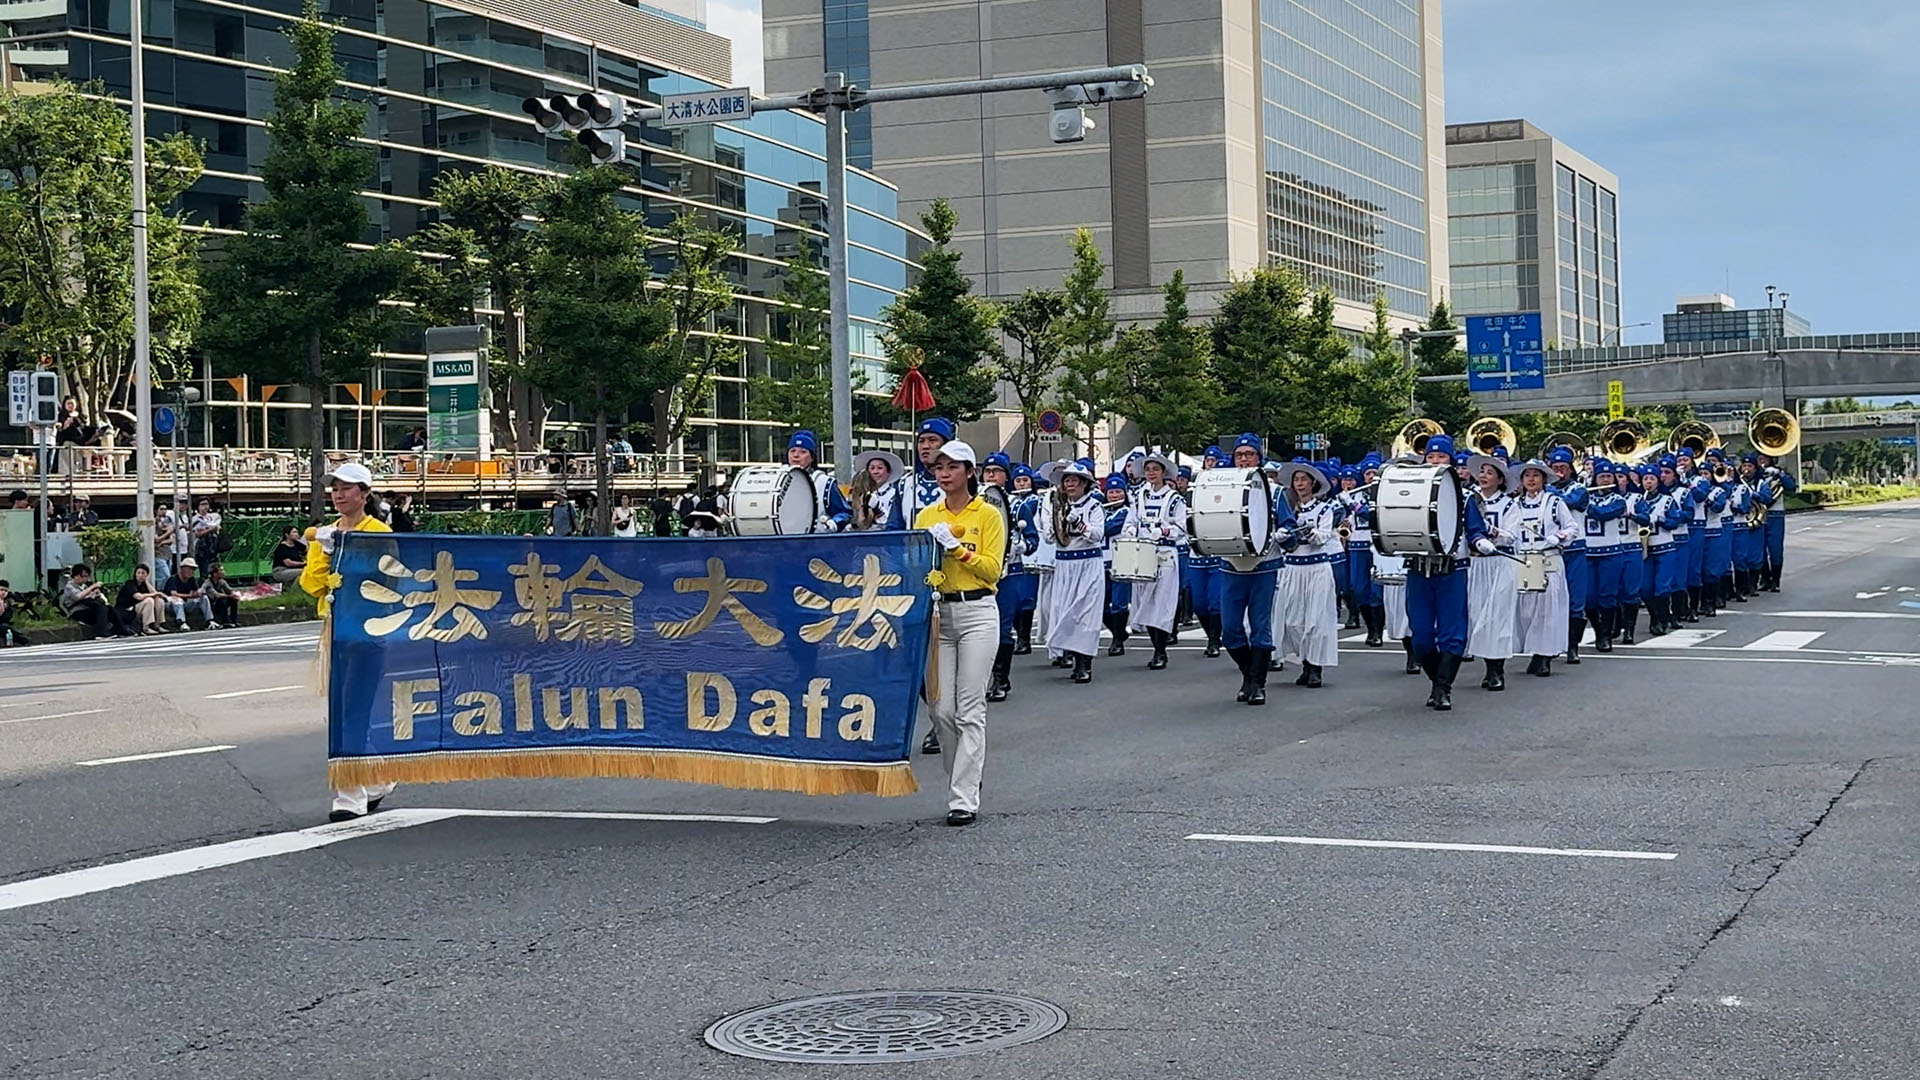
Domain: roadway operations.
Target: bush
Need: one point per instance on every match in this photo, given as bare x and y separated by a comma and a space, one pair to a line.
110, 547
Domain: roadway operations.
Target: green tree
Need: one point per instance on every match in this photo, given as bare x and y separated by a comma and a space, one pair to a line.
1382, 388
1089, 388
593, 331
1032, 323
1448, 403
1867, 460
1256, 337
942, 326
291, 300
798, 391
1168, 384
66, 256
687, 355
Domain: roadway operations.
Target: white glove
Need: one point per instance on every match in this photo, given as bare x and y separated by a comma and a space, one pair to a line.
324, 536
1484, 546
942, 534
1166, 532
825, 524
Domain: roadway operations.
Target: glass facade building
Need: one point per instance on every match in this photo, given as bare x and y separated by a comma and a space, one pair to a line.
1714, 318
1344, 146
847, 52
443, 84
1533, 226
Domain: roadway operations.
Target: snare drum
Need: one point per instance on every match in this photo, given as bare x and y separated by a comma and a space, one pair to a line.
1231, 513
1389, 569
1136, 560
1532, 575
772, 500
1419, 511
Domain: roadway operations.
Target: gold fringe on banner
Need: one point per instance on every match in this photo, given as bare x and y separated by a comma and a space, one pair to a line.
688, 766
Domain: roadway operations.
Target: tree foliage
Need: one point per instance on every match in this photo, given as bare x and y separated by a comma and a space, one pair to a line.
1257, 337
1167, 386
1859, 459
292, 301
66, 255
1032, 322
1089, 388
686, 357
798, 389
1382, 387
940, 325
1449, 403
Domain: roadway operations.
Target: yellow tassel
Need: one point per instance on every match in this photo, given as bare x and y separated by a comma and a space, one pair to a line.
688, 766
323, 661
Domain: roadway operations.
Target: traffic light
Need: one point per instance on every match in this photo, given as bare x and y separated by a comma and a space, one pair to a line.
595, 117
45, 396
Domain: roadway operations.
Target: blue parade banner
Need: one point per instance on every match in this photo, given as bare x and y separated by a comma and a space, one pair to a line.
780, 663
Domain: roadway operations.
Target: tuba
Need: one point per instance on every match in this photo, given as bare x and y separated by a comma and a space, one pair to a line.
1412, 440
1573, 442
1696, 436
1774, 432
1490, 433
1628, 440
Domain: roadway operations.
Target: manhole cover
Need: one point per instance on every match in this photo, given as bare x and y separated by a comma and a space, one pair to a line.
886, 1025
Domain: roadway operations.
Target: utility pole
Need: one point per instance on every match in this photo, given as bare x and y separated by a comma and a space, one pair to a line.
142, 315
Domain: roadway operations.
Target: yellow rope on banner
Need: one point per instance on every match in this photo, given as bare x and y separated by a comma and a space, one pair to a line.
689, 766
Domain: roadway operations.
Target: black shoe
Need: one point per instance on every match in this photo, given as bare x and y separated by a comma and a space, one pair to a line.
997, 689
958, 818
1306, 674
1213, 646
1541, 666
1576, 629
1062, 661
337, 816
1626, 625
1376, 620
1023, 646
1119, 646
1273, 661
1257, 694
930, 744
1446, 666
1413, 662
1353, 620
1310, 676
1159, 659
1082, 668
1496, 679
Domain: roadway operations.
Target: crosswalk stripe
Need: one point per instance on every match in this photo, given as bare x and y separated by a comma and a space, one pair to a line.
1676, 639
1786, 640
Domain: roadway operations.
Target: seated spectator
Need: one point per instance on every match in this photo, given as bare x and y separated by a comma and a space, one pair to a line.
186, 589
80, 601
290, 557
8, 635
140, 605
226, 606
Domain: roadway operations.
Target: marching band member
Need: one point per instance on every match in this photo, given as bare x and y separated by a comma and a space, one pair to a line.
1437, 595
1183, 613
1668, 514
1673, 481
1247, 586
1017, 587
1308, 595
1079, 574
1158, 513
1203, 575
1695, 486
878, 486
1362, 584
972, 534
1119, 593
1573, 495
922, 490
1026, 502
1393, 596
1749, 542
1609, 532
1633, 557
1546, 528
830, 509
1493, 579
1715, 578
1775, 485
1044, 492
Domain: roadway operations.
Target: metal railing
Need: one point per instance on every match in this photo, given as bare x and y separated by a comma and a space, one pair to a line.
1637, 355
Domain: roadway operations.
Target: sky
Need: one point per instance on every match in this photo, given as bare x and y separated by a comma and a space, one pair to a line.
1758, 142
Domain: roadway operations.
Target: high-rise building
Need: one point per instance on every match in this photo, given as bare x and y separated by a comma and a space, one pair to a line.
443, 81
1302, 133
1533, 225
1715, 317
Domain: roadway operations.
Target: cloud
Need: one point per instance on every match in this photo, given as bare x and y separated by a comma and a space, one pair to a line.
740, 21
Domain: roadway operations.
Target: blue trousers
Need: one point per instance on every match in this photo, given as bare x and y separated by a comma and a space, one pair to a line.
1631, 575
1670, 571
1696, 557
1119, 595
1608, 585
1342, 581
1775, 543
1246, 608
1203, 586
1360, 583
1019, 592
1650, 577
1578, 580
1748, 545
1437, 611
1719, 555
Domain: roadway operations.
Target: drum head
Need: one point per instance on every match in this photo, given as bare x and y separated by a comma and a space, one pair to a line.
793, 503
1259, 511
1449, 514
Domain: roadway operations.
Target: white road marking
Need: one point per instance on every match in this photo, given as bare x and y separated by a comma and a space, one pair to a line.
250, 693
53, 716
1732, 1002
1352, 638
65, 886
1826, 614
1870, 595
1785, 640
1804, 528
156, 756
1420, 845
1676, 639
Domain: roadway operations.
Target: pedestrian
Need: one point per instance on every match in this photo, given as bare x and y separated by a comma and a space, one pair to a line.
80, 600
220, 594
187, 589
140, 605
662, 512
562, 519
623, 517
80, 513
349, 484
182, 545
973, 536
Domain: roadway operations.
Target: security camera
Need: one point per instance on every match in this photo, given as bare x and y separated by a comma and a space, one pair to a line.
1069, 124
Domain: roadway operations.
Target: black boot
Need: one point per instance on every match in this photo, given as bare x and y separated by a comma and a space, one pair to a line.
1486, 681
1376, 619
1710, 600
1541, 666
1576, 629
1496, 675
1000, 684
1603, 628
1211, 624
1413, 662
1159, 638
1117, 626
1430, 664
1689, 604
1314, 673
1274, 663
1064, 660
1023, 633
1082, 668
930, 744
1353, 617
1258, 694
1243, 657
1445, 668
1629, 615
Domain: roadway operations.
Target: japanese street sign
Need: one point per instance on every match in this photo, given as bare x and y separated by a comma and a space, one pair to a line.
707, 107
1051, 422
19, 398
1504, 353
1616, 399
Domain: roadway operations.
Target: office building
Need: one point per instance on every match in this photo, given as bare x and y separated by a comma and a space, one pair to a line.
1302, 133
1715, 317
443, 81
1533, 225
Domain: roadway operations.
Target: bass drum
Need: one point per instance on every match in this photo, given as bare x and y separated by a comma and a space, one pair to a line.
772, 500
1389, 569
1231, 513
1419, 511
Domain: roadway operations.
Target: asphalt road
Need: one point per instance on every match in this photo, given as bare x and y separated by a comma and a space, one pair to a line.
1772, 755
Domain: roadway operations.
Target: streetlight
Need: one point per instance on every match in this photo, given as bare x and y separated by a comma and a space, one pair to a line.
1618, 330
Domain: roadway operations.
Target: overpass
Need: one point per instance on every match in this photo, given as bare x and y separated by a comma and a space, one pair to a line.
1845, 365
1816, 428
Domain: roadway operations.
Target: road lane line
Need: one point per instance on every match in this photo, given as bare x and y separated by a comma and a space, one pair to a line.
1676, 639
72, 883
53, 716
1420, 845
155, 756
1786, 640
250, 693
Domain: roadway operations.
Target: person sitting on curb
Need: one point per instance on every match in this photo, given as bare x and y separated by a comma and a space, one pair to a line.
186, 589
80, 600
290, 557
220, 595
8, 635
140, 604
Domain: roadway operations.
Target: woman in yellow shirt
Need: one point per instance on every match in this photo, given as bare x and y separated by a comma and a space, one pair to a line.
974, 536
348, 485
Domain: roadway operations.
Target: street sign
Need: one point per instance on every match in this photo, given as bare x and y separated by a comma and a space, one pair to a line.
1504, 353
709, 107
1051, 422
1315, 441
164, 421
455, 420
19, 398
1897, 440
1616, 399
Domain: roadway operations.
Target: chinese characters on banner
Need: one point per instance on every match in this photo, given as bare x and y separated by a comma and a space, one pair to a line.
792, 663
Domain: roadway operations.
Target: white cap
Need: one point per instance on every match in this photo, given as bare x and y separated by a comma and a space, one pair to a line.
352, 472
955, 450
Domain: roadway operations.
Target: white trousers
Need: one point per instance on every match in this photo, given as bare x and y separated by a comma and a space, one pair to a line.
1154, 602
1042, 615
1078, 600
1492, 582
1393, 597
969, 637
1307, 610
1542, 619
354, 799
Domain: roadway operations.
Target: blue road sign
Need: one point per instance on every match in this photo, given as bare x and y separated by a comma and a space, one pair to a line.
163, 421
1897, 440
1504, 353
